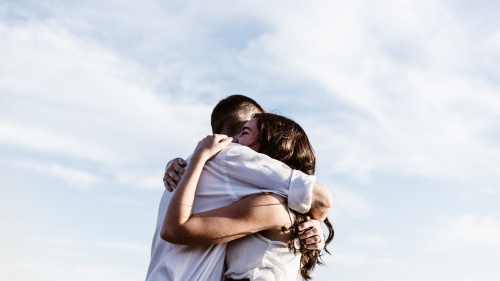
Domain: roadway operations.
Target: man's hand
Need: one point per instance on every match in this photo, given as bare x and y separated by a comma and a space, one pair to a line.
313, 237
173, 173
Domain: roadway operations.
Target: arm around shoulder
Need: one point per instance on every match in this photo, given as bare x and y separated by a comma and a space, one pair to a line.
251, 214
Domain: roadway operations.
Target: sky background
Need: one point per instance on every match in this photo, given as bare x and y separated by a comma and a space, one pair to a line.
401, 100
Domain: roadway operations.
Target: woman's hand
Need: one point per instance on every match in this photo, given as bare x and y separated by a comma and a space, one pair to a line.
208, 147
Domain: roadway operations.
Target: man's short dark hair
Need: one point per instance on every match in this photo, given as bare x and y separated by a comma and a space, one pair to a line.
225, 117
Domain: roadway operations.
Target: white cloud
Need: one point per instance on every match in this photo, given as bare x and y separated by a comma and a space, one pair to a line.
47, 270
140, 178
465, 231
126, 202
51, 257
343, 256
78, 245
405, 75
73, 177
369, 240
43, 140
349, 205
82, 101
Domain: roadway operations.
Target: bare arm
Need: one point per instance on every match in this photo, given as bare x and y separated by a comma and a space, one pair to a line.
180, 208
322, 202
321, 197
251, 214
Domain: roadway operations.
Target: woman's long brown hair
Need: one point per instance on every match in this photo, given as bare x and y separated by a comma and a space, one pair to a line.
284, 140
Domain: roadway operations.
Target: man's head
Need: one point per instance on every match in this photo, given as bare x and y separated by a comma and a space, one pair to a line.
231, 113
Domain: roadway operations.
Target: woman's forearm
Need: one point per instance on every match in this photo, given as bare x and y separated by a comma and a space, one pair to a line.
251, 214
180, 208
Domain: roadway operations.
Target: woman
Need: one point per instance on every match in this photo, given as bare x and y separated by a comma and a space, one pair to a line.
273, 246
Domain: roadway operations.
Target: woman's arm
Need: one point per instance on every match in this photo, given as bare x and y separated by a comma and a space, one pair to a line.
180, 208
251, 214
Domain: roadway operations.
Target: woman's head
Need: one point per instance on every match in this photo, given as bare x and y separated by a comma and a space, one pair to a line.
248, 135
284, 140
279, 138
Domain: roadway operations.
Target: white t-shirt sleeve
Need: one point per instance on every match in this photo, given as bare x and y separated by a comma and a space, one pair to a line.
269, 175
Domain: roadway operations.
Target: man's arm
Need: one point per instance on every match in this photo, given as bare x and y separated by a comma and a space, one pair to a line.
312, 237
322, 202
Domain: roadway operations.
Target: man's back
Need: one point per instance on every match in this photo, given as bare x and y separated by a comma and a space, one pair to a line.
182, 262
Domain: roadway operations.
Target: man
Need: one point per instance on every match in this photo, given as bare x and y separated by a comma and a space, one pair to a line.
227, 118
180, 262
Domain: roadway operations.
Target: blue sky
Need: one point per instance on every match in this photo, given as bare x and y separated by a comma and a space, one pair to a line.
401, 100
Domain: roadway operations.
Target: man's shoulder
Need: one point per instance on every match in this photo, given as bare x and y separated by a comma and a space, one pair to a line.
237, 152
236, 149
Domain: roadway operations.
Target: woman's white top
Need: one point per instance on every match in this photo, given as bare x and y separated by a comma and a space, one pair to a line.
257, 258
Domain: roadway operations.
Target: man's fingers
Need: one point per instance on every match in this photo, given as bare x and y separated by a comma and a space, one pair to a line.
314, 243
178, 169
180, 161
174, 177
170, 184
312, 240
166, 184
173, 172
319, 246
225, 142
309, 224
177, 166
310, 233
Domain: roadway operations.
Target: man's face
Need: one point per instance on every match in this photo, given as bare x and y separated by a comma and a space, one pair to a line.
244, 117
248, 135
247, 115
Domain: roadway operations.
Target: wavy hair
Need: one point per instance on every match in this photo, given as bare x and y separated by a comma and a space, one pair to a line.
283, 139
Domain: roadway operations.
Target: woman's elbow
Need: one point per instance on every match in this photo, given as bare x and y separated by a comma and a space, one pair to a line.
169, 234
175, 235
165, 235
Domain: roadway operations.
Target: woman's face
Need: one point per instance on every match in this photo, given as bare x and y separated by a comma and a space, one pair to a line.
248, 135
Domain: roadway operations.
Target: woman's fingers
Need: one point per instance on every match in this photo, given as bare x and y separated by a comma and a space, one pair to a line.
224, 140
211, 145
